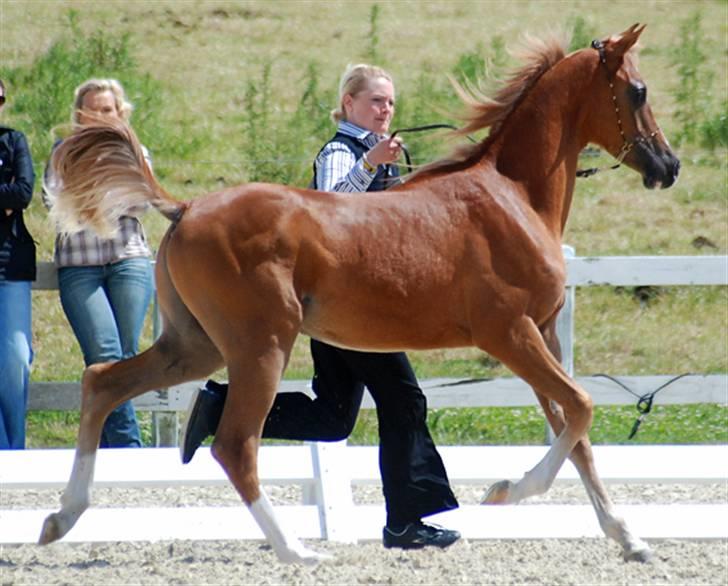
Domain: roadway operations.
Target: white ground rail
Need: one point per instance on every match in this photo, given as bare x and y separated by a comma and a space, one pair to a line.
327, 473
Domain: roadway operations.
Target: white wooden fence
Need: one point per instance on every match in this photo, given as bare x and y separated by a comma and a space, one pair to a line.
582, 272
326, 472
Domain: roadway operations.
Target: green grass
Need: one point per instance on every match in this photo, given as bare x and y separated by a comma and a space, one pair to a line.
675, 424
228, 92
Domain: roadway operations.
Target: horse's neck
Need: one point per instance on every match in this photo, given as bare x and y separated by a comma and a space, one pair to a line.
538, 148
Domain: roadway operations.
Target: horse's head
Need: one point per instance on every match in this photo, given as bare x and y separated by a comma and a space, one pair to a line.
621, 118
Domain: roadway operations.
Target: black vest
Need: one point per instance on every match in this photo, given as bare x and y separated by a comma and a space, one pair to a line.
387, 175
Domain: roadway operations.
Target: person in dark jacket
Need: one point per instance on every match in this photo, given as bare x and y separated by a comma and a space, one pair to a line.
359, 158
17, 271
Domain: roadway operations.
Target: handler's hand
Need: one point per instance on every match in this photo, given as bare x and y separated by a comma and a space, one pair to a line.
385, 151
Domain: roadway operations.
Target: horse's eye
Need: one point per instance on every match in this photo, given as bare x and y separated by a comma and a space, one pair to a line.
638, 94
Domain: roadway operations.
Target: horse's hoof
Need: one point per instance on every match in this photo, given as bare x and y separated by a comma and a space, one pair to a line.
311, 558
51, 530
498, 493
638, 555
303, 556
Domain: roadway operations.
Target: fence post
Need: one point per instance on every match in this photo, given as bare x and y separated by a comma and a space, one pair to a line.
332, 491
165, 424
165, 429
565, 332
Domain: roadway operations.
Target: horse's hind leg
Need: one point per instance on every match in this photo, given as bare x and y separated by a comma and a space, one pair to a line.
183, 352
174, 358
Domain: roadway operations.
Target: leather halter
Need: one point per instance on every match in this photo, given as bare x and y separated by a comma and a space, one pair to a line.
627, 145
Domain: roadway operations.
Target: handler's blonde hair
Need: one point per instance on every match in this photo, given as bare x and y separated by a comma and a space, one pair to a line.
123, 107
355, 79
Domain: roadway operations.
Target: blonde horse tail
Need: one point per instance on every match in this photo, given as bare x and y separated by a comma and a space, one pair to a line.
98, 174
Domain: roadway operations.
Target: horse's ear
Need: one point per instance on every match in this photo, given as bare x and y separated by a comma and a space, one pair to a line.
624, 42
616, 46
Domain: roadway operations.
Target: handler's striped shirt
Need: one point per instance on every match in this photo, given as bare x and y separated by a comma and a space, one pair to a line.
337, 169
84, 248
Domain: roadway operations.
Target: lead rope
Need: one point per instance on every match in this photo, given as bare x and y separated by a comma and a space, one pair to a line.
644, 402
407, 157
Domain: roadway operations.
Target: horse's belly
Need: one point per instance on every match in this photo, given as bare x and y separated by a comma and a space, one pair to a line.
377, 331
389, 301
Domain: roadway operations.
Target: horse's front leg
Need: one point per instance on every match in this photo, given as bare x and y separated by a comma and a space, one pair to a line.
76, 497
614, 527
522, 348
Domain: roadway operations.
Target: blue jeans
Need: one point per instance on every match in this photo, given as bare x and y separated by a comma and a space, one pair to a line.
105, 306
16, 354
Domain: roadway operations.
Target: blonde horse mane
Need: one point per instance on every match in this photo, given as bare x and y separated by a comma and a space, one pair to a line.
538, 55
98, 174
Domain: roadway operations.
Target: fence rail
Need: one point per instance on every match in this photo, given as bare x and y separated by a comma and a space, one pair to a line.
440, 392
581, 272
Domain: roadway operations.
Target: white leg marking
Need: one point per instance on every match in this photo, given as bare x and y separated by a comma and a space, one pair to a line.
614, 527
287, 547
77, 493
540, 478
74, 501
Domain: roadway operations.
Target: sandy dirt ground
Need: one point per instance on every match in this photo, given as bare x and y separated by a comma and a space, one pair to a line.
553, 562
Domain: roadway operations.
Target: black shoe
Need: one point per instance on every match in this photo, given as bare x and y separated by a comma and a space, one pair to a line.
418, 535
203, 417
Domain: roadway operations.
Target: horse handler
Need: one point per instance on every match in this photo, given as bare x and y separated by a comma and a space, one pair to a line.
414, 480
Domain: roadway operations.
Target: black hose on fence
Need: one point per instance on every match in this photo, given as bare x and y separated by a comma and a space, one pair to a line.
644, 402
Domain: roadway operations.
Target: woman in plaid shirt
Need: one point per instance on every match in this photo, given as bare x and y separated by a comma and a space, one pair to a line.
106, 284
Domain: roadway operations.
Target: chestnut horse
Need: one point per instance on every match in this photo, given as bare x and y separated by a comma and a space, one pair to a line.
466, 252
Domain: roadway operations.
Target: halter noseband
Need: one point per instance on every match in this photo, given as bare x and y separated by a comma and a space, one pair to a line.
626, 144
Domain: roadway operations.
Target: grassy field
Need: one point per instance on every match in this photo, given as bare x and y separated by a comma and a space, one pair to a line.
228, 92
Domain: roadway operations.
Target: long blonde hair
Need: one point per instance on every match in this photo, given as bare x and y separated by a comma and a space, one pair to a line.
123, 107
355, 79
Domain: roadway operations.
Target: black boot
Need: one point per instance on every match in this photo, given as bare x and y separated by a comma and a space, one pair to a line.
203, 417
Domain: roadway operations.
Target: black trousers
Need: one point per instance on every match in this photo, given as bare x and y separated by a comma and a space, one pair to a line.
413, 476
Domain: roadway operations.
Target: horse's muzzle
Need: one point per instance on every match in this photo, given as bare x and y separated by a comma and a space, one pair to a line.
660, 167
